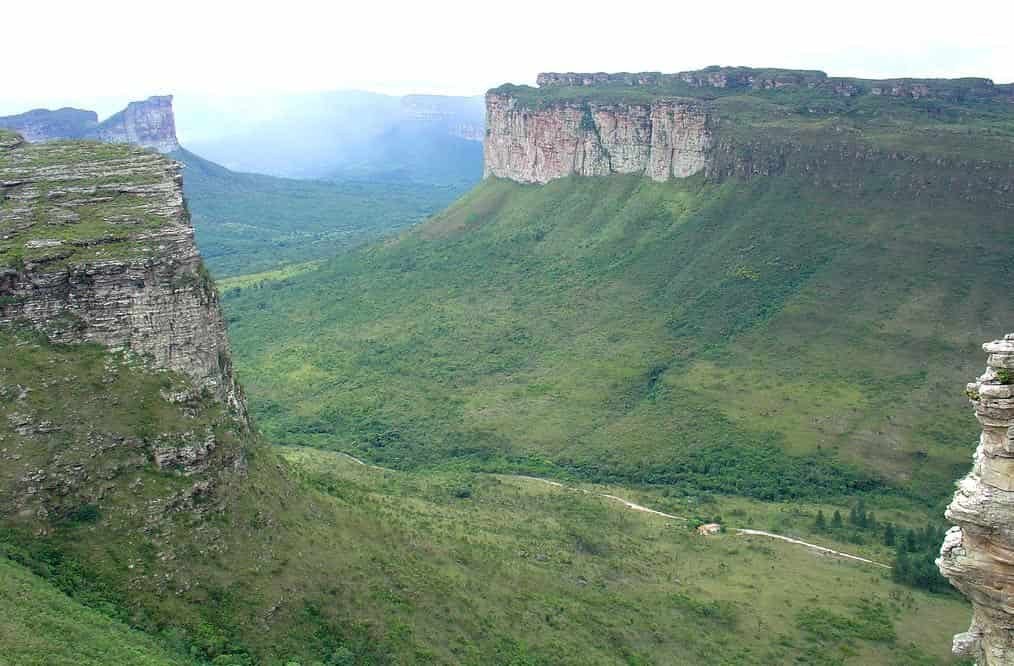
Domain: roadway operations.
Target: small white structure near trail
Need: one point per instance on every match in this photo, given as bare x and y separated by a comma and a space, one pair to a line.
709, 529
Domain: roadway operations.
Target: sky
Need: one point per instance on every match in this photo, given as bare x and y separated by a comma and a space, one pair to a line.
101, 55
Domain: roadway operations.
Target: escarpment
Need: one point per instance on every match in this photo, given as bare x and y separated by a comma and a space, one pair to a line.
727, 79
744, 123
149, 123
978, 553
96, 246
664, 139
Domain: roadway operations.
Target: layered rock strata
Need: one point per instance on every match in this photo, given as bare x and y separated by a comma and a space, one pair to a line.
977, 555
668, 138
96, 245
149, 123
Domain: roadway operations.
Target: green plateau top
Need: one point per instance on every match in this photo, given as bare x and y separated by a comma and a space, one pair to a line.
74, 202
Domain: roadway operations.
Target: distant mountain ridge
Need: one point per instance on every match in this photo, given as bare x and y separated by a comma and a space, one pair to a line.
149, 123
753, 78
432, 139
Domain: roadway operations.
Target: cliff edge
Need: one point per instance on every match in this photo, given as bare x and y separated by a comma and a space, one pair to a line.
743, 122
977, 555
150, 123
670, 138
96, 246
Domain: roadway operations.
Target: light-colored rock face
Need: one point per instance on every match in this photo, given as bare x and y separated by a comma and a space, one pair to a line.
96, 246
669, 138
978, 553
149, 124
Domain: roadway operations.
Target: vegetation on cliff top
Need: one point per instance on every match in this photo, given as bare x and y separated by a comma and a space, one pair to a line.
959, 126
71, 202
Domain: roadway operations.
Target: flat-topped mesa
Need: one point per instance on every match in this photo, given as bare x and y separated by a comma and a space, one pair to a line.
978, 553
669, 138
149, 124
739, 122
96, 245
730, 79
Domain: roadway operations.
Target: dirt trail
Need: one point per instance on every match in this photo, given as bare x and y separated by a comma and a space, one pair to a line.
637, 507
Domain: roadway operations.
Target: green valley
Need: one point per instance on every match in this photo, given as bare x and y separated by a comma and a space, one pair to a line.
762, 338
250, 223
679, 382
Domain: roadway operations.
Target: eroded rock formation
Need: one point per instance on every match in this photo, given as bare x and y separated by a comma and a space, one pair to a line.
149, 123
664, 139
97, 246
978, 553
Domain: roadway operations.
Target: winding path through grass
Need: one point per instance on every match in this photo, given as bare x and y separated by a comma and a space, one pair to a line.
638, 507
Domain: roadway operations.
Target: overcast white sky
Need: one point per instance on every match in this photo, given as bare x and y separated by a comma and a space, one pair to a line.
102, 54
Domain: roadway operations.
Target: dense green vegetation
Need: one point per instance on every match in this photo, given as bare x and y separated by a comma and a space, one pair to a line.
42, 626
249, 223
319, 560
767, 338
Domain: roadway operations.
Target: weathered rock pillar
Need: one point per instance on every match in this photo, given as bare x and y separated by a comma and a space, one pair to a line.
977, 555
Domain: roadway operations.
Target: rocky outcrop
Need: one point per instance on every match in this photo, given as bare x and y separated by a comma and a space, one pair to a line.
677, 125
97, 246
149, 124
664, 139
978, 553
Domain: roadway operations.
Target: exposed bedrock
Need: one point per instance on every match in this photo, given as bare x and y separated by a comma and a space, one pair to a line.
978, 553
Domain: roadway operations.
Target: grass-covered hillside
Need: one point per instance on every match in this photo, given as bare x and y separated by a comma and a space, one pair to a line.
318, 560
764, 337
42, 626
249, 223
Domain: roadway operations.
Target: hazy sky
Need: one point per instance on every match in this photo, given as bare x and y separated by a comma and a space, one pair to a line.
101, 54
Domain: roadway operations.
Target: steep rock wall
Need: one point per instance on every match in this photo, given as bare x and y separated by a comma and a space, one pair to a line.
149, 123
97, 246
978, 553
667, 138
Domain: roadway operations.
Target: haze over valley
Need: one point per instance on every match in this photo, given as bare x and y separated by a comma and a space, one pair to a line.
350, 343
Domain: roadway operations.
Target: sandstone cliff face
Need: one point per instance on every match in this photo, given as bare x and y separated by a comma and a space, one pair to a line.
149, 123
978, 553
665, 139
96, 245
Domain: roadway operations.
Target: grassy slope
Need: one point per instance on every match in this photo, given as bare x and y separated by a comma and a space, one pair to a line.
42, 626
618, 328
249, 223
527, 573
318, 559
